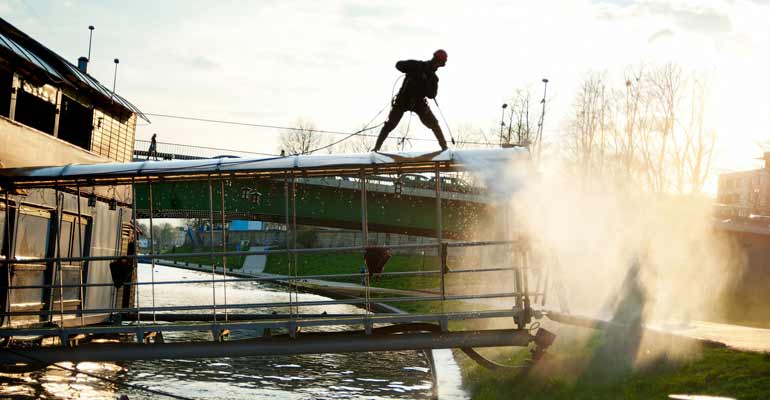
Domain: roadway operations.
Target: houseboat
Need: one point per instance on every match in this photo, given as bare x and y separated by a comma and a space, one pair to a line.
52, 112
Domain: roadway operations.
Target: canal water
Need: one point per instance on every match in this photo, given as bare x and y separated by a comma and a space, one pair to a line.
382, 375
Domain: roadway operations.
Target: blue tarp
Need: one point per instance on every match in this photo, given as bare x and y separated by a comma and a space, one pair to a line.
243, 225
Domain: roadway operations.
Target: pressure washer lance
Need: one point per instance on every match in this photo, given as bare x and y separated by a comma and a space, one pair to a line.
447, 125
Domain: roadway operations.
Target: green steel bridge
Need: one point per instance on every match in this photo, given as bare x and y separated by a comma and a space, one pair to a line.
396, 204
333, 202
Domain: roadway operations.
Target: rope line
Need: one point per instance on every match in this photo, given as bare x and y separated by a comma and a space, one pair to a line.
218, 121
364, 129
345, 138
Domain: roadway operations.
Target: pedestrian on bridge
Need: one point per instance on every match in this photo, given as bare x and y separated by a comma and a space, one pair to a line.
153, 150
420, 82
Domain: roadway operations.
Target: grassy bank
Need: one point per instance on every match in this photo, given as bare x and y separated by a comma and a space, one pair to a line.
233, 262
351, 263
718, 372
582, 364
574, 373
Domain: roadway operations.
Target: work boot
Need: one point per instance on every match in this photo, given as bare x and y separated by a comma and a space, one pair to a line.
378, 145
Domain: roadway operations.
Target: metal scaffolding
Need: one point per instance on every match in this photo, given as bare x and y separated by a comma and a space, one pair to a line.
279, 330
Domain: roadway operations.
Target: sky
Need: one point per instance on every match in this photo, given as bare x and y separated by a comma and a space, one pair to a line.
332, 62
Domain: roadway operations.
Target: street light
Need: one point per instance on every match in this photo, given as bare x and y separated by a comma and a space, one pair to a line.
502, 122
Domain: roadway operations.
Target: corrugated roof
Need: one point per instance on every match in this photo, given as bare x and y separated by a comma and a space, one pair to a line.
22, 52
98, 87
58, 69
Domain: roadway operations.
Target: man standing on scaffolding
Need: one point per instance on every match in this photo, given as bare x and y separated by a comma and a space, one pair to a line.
420, 82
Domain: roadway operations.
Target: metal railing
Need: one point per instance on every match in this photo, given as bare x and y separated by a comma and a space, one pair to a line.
176, 151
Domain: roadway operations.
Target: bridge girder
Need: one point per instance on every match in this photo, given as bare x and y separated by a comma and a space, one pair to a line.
317, 205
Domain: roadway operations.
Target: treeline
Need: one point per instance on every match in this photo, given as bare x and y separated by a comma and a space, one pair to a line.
648, 130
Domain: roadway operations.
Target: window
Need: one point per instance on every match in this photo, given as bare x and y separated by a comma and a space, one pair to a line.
70, 245
76, 123
6, 85
32, 234
71, 238
36, 107
31, 230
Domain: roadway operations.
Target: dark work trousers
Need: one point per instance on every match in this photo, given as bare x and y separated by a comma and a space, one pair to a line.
419, 107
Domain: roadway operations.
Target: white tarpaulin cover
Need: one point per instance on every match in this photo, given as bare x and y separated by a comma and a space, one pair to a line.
236, 165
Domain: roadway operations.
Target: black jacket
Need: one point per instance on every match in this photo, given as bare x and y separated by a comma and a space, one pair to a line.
420, 81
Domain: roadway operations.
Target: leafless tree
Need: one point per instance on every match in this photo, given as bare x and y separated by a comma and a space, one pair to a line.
522, 119
650, 133
468, 136
303, 139
700, 141
587, 138
525, 122
361, 143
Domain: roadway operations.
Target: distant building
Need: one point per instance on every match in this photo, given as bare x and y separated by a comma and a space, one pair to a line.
746, 192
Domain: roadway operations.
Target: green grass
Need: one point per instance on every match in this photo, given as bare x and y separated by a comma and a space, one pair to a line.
350, 263
571, 369
233, 262
570, 374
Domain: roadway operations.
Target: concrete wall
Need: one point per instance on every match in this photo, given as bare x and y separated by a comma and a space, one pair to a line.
22, 146
747, 295
324, 238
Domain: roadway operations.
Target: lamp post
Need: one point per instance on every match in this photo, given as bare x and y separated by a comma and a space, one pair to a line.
90, 37
502, 122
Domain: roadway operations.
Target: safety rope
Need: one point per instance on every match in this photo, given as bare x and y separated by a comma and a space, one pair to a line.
447, 125
364, 129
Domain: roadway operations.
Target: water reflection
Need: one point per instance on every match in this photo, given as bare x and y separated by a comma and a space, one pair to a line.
391, 375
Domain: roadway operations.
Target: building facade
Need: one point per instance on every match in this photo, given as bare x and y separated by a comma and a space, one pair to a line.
746, 192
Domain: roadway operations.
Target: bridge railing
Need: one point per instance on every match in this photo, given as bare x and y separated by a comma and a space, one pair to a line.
176, 151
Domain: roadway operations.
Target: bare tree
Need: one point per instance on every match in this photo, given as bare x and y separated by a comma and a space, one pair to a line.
522, 119
587, 138
700, 140
361, 143
624, 137
651, 133
467, 136
303, 139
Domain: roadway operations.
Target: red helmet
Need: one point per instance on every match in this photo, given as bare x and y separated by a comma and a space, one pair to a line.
440, 55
